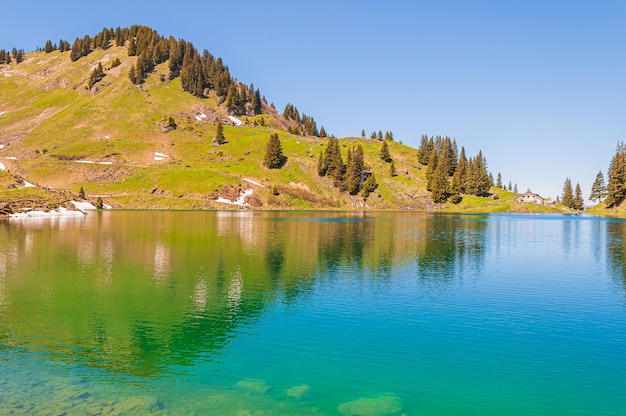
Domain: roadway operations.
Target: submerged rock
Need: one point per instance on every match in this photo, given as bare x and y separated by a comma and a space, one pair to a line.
382, 405
297, 392
254, 386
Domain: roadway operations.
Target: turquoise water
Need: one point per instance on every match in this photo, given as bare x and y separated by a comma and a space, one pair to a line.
315, 313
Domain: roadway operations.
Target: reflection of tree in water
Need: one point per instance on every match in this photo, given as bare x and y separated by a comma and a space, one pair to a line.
616, 252
449, 247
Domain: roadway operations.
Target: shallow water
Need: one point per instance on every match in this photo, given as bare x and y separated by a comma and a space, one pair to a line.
134, 312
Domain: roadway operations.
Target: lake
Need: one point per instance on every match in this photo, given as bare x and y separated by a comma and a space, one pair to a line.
312, 313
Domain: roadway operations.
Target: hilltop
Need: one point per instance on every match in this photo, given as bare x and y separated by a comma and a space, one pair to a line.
131, 118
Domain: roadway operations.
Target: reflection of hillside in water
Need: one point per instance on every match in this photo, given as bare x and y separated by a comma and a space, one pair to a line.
140, 291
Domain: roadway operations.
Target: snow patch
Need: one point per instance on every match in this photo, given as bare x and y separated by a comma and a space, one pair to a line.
2, 112
2, 167
11, 158
160, 154
235, 120
59, 212
81, 206
84, 161
28, 184
1, 146
198, 118
240, 201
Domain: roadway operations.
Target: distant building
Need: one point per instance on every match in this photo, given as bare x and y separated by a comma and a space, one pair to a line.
529, 198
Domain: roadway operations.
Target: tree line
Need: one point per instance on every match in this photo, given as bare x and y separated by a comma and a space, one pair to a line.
305, 125
6, 57
352, 176
199, 73
450, 174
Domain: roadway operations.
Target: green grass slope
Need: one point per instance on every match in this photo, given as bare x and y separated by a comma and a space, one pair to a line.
56, 132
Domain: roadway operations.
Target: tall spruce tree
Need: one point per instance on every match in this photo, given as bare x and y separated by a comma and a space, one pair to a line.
567, 198
616, 187
598, 189
430, 169
354, 170
440, 186
219, 134
384, 152
579, 202
274, 158
499, 181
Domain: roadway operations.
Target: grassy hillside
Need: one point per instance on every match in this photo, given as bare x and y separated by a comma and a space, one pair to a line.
58, 133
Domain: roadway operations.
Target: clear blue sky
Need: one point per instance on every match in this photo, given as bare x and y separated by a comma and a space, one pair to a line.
538, 86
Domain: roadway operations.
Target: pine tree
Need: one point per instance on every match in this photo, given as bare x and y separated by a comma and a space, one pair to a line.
440, 186
392, 169
515, 188
354, 170
48, 48
430, 169
219, 135
384, 152
274, 158
568, 194
369, 186
334, 162
322, 132
499, 181
616, 187
321, 166
81, 193
363, 133
598, 189
579, 202
99, 203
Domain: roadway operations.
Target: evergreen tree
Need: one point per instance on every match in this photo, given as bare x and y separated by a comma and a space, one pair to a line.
430, 169
81, 193
616, 187
568, 194
132, 47
48, 48
384, 153
334, 162
369, 186
354, 170
321, 166
219, 135
448, 153
499, 181
579, 202
363, 133
392, 169
515, 188
373, 135
440, 186
380, 135
598, 189
322, 132
274, 158
99, 203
